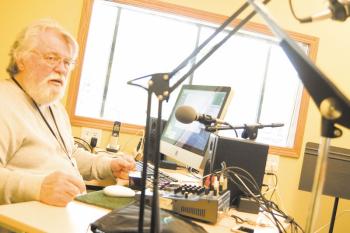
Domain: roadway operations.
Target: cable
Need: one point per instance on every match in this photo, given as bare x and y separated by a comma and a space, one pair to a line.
276, 182
234, 130
84, 144
194, 174
293, 12
254, 192
131, 138
247, 173
258, 198
268, 189
227, 169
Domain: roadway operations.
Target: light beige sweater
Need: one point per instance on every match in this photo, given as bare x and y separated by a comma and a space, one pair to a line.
29, 151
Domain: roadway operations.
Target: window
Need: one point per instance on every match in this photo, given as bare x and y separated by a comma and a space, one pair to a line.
125, 42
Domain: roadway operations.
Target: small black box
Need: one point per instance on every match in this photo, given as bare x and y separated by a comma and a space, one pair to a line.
247, 205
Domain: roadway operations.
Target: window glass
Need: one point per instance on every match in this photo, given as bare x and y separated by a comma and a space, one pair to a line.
145, 44
239, 63
96, 59
125, 43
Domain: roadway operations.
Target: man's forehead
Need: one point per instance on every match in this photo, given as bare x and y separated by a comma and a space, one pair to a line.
52, 41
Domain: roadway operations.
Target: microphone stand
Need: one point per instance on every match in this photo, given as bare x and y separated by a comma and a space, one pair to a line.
158, 84
332, 104
249, 131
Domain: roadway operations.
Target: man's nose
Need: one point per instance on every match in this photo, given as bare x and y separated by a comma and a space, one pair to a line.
61, 67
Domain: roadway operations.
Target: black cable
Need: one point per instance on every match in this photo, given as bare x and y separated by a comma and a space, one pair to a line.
301, 20
275, 207
270, 211
285, 216
236, 133
237, 219
278, 224
293, 12
252, 181
193, 173
290, 219
181, 166
249, 175
83, 143
276, 182
267, 187
256, 189
266, 205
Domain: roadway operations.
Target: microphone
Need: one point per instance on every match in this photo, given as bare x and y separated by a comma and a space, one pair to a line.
186, 114
337, 10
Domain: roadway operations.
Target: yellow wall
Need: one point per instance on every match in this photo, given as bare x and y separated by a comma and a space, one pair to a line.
333, 58
15, 15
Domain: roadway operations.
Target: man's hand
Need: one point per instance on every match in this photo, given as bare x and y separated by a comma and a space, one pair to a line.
121, 166
59, 188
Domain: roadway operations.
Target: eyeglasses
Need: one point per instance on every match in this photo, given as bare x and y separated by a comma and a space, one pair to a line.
54, 60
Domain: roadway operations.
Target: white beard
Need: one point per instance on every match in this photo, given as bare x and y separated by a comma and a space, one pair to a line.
43, 93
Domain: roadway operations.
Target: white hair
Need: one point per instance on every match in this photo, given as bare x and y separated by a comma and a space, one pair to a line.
28, 37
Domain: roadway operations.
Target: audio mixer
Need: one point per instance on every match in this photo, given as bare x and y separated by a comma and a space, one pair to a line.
194, 201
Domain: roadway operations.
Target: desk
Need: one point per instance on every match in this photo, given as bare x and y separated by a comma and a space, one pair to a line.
35, 217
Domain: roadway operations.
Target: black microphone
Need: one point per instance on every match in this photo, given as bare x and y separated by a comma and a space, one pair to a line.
186, 114
337, 10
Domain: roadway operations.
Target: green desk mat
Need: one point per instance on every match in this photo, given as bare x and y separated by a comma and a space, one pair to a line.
98, 198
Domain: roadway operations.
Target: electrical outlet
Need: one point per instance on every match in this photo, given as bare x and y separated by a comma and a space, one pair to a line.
272, 163
88, 133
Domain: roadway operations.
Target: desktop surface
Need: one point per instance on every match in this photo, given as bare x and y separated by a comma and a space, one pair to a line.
35, 216
76, 217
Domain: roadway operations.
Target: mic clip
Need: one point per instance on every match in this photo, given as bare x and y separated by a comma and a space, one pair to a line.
250, 132
207, 120
339, 11
211, 129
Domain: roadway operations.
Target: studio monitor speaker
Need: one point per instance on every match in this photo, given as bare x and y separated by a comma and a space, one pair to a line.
245, 154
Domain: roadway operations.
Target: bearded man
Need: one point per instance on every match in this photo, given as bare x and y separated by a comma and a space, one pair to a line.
38, 159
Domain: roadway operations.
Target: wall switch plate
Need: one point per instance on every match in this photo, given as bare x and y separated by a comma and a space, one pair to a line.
88, 133
272, 163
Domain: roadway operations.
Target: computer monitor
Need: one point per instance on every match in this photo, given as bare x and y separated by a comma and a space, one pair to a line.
187, 143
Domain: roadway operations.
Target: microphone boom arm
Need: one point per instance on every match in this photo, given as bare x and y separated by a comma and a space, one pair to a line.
249, 131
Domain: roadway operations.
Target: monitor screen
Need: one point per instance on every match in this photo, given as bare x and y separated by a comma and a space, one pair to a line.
187, 143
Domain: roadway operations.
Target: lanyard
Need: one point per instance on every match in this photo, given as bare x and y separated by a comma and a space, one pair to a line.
64, 147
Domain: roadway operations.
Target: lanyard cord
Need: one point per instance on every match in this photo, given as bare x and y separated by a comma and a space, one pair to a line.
64, 147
